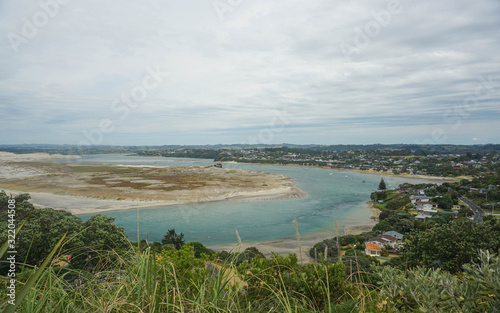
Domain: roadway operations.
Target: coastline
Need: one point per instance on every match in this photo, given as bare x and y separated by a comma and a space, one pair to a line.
357, 229
430, 178
58, 190
81, 205
375, 212
88, 205
284, 246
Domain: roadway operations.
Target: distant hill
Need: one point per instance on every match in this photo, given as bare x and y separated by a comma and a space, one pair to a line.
103, 149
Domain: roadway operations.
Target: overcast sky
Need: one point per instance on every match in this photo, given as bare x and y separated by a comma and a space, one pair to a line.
249, 71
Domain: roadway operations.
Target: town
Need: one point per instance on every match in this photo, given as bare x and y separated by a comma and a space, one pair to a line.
435, 160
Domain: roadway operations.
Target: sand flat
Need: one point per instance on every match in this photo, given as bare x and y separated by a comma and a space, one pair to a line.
95, 188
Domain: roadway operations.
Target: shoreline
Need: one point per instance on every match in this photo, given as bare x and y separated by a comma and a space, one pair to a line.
284, 246
281, 187
78, 205
375, 212
423, 177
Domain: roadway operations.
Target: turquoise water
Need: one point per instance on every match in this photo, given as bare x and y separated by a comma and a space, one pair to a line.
331, 194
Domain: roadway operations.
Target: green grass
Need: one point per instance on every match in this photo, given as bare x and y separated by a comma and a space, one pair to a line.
176, 281
171, 281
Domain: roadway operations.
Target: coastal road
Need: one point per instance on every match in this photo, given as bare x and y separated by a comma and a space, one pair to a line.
478, 212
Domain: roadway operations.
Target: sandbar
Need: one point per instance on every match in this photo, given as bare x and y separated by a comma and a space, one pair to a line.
98, 188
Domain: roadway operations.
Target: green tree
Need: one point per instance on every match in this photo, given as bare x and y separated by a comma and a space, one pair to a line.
103, 242
41, 232
173, 239
101, 232
200, 249
382, 226
452, 245
444, 202
440, 219
319, 249
45, 227
381, 185
465, 212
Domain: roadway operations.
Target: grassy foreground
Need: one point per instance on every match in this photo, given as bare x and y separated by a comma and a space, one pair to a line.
178, 281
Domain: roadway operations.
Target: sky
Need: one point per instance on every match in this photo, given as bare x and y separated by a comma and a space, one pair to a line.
153, 72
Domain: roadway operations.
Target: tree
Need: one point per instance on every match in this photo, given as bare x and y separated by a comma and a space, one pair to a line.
319, 248
200, 249
398, 203
465, 212
101, 232
440, 218
452, 245
378, 195
381, 185
41, 232
85, 242
173, 239
103, 242
382, 226
431, 192
444, 202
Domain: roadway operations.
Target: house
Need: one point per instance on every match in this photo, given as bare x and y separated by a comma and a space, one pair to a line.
420, 206
425, 214
395, 234
419, 198
373, 249
384, 241
455, 207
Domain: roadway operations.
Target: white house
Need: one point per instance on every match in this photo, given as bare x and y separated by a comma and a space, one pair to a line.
420, 206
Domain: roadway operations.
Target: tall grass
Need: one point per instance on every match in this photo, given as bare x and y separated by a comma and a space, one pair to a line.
170, 281
176, 281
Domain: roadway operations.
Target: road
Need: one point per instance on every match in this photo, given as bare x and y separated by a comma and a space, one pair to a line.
478, 212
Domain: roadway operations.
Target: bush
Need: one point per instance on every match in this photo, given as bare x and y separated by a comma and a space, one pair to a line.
280, 279
431, 290
319, 248
238, 258
200, 249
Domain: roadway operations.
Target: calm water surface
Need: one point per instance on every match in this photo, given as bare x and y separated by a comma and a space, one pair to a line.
331, 194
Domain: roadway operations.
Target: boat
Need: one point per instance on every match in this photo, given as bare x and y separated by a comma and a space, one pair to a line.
364, 181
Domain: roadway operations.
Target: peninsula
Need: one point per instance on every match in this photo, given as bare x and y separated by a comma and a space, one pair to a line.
83, 188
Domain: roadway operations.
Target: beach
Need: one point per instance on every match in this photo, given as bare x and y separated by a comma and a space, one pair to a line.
100, 188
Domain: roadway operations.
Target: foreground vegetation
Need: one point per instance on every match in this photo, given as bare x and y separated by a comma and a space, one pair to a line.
107, 273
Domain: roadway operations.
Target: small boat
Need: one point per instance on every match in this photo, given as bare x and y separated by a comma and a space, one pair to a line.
364, 181
346, 176
331, 173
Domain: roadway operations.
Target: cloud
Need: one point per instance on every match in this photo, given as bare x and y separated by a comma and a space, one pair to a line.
227, 77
